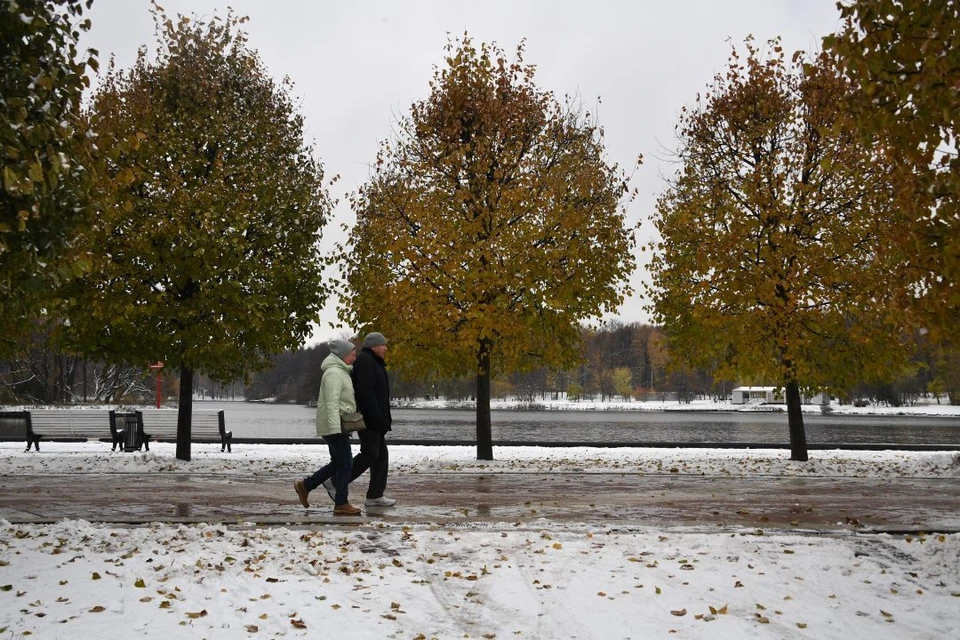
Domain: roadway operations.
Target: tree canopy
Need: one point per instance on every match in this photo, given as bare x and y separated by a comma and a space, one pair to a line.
46, 158
207, 258
773, 264
491, 225
904, 57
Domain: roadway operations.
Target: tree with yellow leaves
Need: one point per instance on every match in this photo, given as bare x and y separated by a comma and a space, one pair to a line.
774, 264
904, 58
491, 226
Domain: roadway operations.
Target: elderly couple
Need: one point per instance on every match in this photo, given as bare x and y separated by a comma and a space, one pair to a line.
353, 382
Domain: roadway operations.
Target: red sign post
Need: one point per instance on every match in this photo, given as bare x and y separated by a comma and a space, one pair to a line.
158, 366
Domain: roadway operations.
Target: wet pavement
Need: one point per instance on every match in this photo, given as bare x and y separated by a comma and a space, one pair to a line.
512, 499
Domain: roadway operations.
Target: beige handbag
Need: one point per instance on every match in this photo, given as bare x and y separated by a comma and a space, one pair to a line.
350, 422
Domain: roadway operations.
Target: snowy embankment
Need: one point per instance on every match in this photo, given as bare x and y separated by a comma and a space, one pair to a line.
928, 407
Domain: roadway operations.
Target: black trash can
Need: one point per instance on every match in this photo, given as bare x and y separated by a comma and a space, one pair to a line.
131, 426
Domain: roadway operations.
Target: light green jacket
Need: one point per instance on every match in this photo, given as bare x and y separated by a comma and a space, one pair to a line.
336, 395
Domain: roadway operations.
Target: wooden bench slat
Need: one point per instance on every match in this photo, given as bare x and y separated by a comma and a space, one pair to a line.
155, 424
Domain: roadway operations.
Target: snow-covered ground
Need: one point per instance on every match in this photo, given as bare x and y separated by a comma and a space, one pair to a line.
925, 407
376, 580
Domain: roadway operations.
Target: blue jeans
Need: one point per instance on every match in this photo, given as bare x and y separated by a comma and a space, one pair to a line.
339, 468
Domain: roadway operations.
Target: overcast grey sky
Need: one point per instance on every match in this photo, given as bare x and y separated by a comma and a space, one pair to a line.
358, 65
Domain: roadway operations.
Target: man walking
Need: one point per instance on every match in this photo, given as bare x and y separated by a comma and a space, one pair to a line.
372, 388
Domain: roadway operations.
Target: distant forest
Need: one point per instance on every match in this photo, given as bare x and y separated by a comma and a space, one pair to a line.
620, 361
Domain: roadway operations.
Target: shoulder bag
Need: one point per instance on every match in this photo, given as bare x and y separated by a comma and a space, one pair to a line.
350, 422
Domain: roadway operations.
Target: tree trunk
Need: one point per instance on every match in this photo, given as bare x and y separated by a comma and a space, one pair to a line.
484, 432
185, 414
798, 439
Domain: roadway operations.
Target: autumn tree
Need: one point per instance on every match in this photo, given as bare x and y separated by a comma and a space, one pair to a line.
622, 380
772, 264
491, 225
47, 160
650, 356
904, 58
207, 259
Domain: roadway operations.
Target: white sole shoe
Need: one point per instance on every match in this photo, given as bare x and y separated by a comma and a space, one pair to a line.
382, 501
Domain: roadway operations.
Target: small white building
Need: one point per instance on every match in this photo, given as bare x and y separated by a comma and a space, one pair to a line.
745, 395
769, 395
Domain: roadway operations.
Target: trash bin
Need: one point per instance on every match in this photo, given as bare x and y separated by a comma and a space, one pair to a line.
131, 426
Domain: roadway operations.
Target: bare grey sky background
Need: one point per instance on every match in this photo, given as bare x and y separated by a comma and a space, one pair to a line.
358, 66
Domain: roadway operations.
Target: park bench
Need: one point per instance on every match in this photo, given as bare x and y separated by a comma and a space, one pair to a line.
160, 425
71, 425
16, 425
126, 430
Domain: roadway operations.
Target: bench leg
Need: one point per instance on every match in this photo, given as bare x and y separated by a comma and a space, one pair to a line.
225, 441
33, 440
146, 442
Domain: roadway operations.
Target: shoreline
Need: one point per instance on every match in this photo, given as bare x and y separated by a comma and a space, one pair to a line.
926, 409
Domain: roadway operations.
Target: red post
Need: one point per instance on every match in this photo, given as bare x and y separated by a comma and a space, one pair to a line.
158, 366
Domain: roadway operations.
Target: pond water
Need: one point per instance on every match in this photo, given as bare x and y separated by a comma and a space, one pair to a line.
250, 420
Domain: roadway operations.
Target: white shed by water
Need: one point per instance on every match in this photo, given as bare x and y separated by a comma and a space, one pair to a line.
744, 395
769, 395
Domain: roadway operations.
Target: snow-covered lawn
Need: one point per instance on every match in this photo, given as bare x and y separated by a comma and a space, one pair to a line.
74, 579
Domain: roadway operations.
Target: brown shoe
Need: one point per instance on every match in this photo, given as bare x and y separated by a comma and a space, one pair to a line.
346, 509
301, 490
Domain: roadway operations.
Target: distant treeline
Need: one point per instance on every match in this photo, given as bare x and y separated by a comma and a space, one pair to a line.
620, 361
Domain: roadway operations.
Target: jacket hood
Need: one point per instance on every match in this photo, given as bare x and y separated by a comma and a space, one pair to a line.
334, 361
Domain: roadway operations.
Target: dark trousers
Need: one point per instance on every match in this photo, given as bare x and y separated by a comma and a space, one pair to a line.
341, 462
374, 456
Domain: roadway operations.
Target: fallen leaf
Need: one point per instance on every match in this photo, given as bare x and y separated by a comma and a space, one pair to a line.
196, 614
680, 612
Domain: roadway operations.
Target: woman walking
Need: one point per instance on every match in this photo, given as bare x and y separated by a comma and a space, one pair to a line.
336, 398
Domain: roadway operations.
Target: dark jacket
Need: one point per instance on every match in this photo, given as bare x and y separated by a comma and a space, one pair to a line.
371, 384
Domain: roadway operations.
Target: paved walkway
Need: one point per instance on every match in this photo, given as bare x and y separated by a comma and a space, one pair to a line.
463, 499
